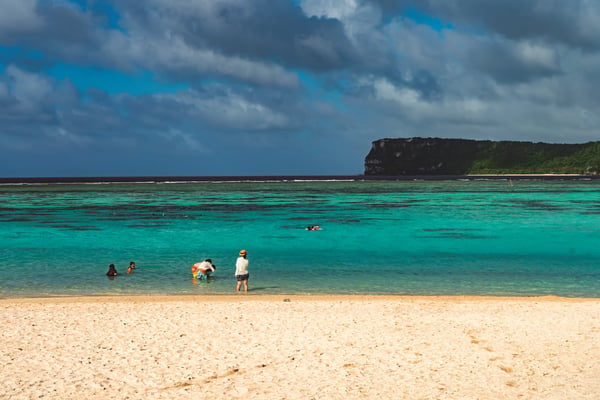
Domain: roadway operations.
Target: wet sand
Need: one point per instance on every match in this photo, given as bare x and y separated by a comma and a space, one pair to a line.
300, 347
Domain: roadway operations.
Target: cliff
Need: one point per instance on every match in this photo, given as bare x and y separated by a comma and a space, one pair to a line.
435, 156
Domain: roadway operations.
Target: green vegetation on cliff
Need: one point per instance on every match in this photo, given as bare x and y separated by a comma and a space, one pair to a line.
434, 156
537, 158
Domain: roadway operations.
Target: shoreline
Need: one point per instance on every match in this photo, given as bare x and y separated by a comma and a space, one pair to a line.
242, 297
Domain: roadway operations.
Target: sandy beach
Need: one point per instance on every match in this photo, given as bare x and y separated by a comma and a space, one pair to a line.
300, 347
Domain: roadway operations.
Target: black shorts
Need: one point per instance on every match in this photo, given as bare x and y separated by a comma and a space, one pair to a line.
242, 277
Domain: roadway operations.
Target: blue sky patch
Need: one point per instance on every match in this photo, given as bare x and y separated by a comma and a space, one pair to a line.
421, 18
113, 82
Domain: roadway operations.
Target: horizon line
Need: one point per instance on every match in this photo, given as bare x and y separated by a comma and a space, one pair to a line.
249, 178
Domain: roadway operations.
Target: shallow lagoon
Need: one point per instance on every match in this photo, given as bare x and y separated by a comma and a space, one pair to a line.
487, 237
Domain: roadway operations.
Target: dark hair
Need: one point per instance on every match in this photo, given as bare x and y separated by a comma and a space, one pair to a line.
111, 270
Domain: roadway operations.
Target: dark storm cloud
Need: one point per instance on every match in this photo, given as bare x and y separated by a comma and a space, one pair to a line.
55, 29
38, 109
41, 114
510, 63
573, 23
394, 7
272, 83
277, 31
180, 41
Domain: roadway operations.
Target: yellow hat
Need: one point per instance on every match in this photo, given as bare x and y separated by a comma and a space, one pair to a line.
243, 252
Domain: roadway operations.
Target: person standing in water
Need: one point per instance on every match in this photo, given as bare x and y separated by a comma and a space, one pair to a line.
241, 271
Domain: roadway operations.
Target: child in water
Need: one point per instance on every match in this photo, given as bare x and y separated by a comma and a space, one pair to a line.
112, 271
131, 267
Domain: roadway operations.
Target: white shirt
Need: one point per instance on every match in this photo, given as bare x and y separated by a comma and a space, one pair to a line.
206, 266
241, 266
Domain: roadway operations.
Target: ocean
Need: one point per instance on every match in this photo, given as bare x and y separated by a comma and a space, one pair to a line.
495, 237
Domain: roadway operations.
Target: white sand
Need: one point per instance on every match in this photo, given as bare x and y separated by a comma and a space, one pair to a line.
262, 347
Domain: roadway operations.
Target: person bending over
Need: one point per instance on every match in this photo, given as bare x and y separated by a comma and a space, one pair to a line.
203, 269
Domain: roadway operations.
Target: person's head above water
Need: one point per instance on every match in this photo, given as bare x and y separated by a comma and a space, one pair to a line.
112, 271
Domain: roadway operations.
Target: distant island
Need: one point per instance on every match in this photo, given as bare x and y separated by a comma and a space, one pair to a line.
436, 156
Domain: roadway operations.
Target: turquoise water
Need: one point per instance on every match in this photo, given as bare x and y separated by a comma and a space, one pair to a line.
378, 237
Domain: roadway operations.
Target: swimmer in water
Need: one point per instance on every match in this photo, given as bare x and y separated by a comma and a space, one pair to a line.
131, 267
112, 271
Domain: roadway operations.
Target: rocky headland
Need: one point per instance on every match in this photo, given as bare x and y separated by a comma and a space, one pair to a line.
437, 156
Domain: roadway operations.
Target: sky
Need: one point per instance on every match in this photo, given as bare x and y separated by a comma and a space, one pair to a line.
276, 87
